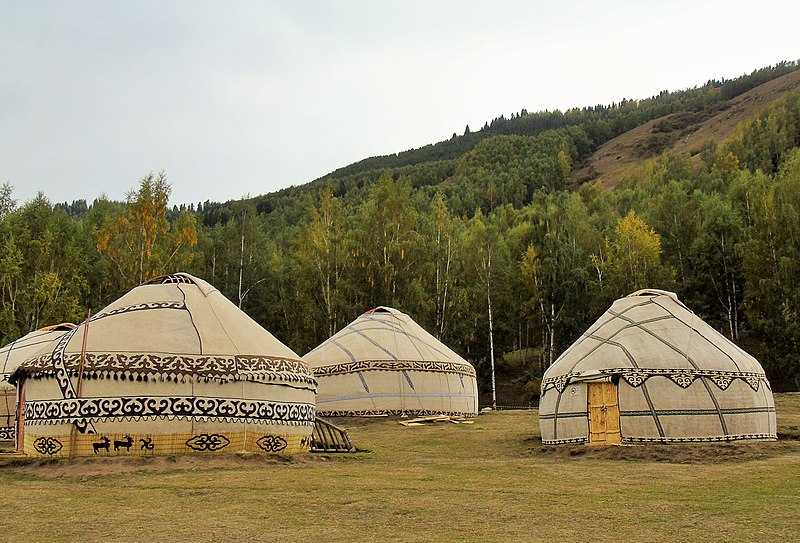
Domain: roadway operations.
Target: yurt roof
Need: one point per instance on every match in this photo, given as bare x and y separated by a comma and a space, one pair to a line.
30, 346
383, 334
651, 331
173, 326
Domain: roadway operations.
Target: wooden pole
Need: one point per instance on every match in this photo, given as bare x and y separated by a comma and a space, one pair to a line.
20, 430
79, 387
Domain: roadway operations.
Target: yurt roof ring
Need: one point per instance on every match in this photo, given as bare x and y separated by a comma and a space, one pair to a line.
654, 293
175, 278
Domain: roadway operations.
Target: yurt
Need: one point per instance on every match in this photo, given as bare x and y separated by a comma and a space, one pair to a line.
12, 355
172, 367
384, 363
651, 371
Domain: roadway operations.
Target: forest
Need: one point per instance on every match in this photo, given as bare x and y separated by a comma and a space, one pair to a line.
488, 245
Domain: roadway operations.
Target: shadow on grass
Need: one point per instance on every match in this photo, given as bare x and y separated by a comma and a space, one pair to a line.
679, 453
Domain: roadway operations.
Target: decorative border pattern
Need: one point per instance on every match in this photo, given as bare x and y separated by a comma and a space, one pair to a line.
271, 443
133, 408
8, 433
138, 307
175, 366
162, 444
394, 365
62, 378
208, 442
715, 439
682, 377
393, 413
570, 441
47, 445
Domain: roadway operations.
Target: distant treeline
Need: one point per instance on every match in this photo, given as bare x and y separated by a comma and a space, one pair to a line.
500, 235
600, 122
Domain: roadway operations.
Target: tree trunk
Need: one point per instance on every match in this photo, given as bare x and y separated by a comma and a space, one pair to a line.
241, 266
491, 326
446, 284
552, 332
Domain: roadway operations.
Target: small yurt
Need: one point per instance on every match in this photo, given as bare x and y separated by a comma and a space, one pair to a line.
172, 367
651, 371
12, 355
384, 363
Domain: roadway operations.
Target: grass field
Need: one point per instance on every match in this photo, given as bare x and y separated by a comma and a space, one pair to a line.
489, 481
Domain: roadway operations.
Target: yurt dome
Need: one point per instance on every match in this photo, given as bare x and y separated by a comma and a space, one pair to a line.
11, 356
650, 370
171, 367
384, 363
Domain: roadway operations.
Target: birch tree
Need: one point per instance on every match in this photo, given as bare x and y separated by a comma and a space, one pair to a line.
323, 249
140, 241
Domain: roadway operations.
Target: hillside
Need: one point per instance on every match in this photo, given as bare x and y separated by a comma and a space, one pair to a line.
681, 132
602, 141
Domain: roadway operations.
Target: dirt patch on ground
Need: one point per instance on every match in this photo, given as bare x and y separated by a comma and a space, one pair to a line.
696, 453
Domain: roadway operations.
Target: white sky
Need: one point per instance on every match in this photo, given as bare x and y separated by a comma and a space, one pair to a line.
251, 97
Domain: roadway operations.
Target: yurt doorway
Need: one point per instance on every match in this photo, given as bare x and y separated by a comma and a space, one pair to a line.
603, 413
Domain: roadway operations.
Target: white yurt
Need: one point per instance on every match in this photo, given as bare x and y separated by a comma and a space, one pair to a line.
171, 367
651, 371
384, 363
12, 355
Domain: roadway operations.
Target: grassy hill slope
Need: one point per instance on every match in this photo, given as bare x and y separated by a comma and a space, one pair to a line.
681, 132
604, 140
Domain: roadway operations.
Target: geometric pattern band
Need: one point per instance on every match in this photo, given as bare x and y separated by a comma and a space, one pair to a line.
139, 307
132, 408
392, 413
693, 439
395, 365
682, 377
175, 366
688, 439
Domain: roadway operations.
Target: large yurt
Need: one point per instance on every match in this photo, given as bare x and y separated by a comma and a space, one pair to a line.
384, 363
172, 367
11, 356
651, 371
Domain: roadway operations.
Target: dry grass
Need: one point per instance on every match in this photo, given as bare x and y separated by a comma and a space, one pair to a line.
621, 156
490, 481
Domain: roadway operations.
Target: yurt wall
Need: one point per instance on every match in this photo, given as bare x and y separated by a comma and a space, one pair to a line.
11, 356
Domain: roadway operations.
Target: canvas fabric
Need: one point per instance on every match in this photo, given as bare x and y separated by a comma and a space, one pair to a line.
171, 367
384, 363
11, 356
678, 379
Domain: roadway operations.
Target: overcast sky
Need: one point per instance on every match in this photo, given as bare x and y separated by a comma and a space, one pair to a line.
234, 98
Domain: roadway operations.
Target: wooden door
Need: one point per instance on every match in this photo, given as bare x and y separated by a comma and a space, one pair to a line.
603, 414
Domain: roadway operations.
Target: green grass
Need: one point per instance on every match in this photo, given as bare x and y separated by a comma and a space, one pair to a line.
489, 481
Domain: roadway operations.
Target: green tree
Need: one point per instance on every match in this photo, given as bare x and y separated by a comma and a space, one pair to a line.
140, 241
631, 259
